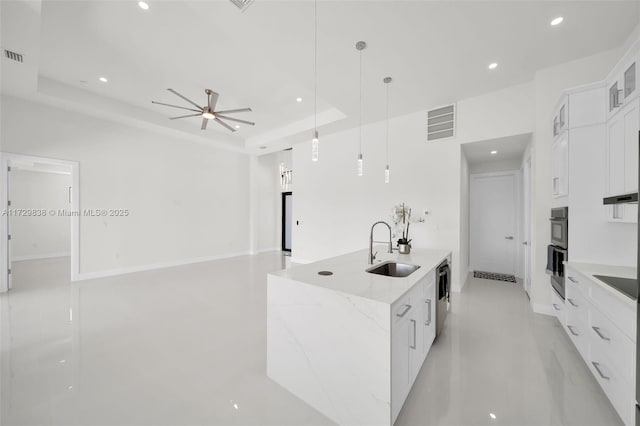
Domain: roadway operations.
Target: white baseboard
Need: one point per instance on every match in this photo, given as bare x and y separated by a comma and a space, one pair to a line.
131, 269
540, 308
40, 256
267, 250
302, 261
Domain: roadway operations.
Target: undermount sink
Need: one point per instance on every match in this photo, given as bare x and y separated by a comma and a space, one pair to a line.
393, 269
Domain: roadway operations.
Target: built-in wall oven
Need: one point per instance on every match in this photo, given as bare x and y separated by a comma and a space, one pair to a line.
557, 252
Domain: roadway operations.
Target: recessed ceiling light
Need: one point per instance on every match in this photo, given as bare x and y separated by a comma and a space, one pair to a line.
237, 126
103, 79
263, 147
557, 21
493, 416
494, 152
493, 66
298, 100
143, 5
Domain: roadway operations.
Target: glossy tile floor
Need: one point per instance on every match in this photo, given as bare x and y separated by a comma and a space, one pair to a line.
186, 346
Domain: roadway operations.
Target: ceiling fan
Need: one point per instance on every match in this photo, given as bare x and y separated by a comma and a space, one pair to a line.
208, 112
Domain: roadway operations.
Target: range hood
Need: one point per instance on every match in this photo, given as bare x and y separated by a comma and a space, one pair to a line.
622, 199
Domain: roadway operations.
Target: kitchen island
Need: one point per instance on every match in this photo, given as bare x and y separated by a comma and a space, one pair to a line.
350, 344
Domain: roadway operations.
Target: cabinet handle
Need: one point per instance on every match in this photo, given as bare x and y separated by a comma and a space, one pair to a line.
572, 304
570, 327
599, 333
573, 280
596, 365
414, 333
407, 308
556, 307
428, 302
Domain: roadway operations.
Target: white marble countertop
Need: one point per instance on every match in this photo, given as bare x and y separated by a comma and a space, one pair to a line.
591, 269
350, 276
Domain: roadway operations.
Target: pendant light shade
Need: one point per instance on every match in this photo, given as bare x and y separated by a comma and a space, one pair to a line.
314, 146
386, 81
360, 46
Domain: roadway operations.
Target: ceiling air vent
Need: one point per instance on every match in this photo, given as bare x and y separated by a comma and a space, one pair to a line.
441, 123
242, 4
13, 55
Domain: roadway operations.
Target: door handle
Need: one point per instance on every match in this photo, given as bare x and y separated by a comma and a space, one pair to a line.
428, 302
570, 327
597, 367
407, 308
508, 238
572, 303
556, 307
414, 333
599, 333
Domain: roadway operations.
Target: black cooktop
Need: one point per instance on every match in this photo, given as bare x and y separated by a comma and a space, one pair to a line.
627, 286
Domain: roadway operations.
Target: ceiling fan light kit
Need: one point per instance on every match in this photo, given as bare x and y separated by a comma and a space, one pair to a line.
208, 112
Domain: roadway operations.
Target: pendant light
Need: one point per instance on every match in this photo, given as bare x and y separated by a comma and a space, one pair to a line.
386, 81
360, 46
315, 141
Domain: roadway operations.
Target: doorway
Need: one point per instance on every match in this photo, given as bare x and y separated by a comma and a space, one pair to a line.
493, 222
526, 244
40, 198
287, 221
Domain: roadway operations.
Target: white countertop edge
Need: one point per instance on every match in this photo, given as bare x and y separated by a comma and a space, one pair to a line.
591, 269
352, 266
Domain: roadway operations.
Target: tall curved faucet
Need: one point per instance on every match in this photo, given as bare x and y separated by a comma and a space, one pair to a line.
372, 255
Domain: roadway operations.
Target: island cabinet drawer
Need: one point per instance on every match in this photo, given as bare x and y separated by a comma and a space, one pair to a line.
620, 313
576, 325
557, 304
402, 310
607, 339
576, 281
615, 385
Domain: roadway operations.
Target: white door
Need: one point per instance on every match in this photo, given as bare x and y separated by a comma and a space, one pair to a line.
492, 222
526, 249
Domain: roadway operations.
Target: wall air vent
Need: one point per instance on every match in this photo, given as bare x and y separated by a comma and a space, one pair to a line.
14, 56
242, 4
441, 123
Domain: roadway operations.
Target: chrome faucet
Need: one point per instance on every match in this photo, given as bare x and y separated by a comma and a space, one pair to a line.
372, 255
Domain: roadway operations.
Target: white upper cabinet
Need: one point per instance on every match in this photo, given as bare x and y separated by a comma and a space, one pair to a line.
622, 83
560, 166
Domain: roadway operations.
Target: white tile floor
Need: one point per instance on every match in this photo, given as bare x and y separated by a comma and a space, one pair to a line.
186, 346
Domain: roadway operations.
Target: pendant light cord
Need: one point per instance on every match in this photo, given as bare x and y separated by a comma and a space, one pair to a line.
360, 102
387, 123
315, 66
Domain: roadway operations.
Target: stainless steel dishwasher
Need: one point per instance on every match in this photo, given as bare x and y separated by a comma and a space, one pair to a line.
443, 275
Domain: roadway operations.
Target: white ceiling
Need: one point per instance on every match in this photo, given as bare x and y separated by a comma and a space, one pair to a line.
436, 51
508, 148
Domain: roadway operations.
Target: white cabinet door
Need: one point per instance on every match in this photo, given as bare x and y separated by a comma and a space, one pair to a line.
615, 156
429, 324
631, 117
399, 366
560, 164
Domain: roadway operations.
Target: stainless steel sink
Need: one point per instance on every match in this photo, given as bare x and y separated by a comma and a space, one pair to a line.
393, 269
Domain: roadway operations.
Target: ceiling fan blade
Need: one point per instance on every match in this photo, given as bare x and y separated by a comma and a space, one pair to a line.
225, 124
213, 100
233, 110
185, 98
204, 123
185, 116
176, 106
250, 123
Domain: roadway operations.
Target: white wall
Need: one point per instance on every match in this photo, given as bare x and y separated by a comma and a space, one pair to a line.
336, 208
187, 201
34, 237
549, 83
495, 166
464, 218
